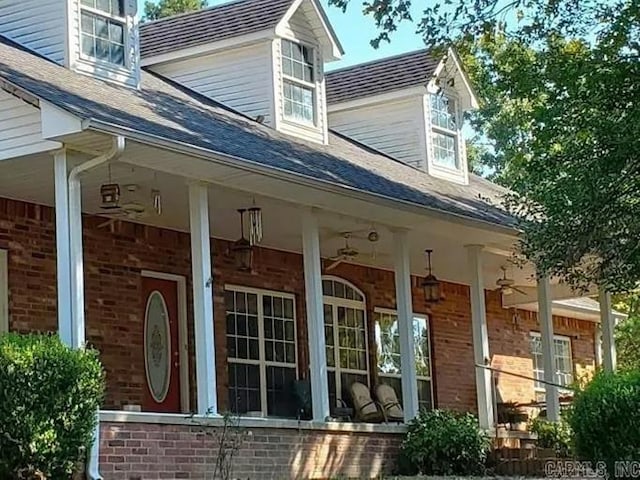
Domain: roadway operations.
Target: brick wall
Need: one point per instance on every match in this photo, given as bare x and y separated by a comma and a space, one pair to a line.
114, 261
134, 451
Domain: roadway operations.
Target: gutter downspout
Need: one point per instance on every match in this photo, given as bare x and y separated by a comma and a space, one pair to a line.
77, 274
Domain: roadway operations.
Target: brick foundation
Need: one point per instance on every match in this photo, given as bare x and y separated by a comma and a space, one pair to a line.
115, 259
137, 451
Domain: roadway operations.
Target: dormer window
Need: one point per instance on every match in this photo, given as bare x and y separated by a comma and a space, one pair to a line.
103, 26
444, 131
298, 68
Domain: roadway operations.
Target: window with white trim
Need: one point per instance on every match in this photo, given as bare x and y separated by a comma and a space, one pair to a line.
261, 351
388, 354
299, 88
345, 329
444, 131
562, 360
102, 25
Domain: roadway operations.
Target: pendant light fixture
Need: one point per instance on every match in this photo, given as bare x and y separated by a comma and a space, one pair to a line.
110, 194
430, 284
242, 249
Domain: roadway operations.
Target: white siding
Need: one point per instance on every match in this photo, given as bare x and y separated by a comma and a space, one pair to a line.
298, 27
20, 128
240, 78
37, 24
395, 128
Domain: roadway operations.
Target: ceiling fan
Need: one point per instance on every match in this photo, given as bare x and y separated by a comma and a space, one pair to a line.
131, 208
506, 285
343, 254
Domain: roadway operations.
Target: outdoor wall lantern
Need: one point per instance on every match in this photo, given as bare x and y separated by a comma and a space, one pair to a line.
430, 284
242, 249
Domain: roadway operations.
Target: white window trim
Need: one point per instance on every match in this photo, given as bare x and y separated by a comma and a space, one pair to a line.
336, 302
563, 338
311, 85
262, 362
456, 134
4, 291
113, 67
389, 311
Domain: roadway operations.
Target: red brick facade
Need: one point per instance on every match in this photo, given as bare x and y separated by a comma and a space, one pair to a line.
136, 451
114, 262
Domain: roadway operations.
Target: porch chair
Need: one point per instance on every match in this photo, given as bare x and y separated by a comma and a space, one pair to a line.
367, 410
391, 407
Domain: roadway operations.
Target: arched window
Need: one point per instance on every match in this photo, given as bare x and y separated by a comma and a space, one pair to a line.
345, 329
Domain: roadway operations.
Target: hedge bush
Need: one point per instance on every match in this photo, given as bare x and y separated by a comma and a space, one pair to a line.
442, 442
605, 418
555, 435
49, 395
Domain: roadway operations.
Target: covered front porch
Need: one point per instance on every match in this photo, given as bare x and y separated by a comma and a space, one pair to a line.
186, 334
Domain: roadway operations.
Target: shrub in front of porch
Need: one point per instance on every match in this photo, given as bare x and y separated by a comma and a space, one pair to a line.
605, 418
442, 442
49, 396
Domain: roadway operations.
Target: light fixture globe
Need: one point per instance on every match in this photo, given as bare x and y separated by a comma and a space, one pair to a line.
242, 249
430, 284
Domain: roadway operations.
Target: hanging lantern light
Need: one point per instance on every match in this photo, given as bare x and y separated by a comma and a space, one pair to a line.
110, 194
430, 284
255, 225
242, 249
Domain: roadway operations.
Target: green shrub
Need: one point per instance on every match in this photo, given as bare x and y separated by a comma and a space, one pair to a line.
441, 442
555, 435
605, 418
49, 395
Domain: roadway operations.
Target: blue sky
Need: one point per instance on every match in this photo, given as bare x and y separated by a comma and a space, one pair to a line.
355, 31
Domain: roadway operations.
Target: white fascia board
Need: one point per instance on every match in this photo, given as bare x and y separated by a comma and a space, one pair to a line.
211, 47
466, 93
57, 123
377, 99
332, 48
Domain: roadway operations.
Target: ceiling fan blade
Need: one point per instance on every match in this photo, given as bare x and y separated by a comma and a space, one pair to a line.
108, 223
335, 264
521, 292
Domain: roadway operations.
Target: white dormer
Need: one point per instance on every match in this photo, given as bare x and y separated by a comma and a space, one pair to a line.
93, 37
267, 64
410, 107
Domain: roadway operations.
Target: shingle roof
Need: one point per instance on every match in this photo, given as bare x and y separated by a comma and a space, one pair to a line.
381, 76
210, 24
164, 110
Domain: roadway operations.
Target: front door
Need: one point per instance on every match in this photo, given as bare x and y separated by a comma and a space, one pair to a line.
161, 346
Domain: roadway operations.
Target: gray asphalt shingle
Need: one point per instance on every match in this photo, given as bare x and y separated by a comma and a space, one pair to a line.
164, 110
210, 24
380, 76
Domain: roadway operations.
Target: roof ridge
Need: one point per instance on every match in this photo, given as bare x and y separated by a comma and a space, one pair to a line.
378, 60
11, 42
200, 11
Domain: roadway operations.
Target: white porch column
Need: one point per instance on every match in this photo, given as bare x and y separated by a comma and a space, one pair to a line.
76, 262
315, 316
63, 248
608, 329
405, 324
202, 300
480, 338
548, 348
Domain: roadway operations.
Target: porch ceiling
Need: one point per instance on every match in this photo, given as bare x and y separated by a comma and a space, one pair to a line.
283, 203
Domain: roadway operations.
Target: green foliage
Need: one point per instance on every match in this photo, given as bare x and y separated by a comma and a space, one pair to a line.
441, 442
555, 435
49, 396
561, 111
605, 419
153, 10
627, 331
